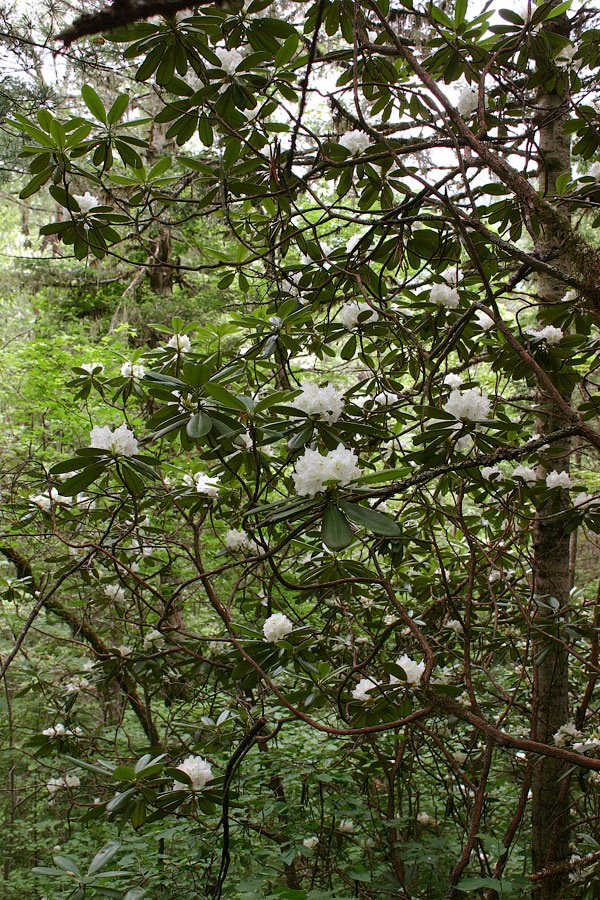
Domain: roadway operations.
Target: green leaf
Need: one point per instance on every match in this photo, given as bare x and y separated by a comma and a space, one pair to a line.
473, 884
80, 482
198, 426
372, 520
223, 396
93, 102
335, 530
103, 856
118, 108
123, 773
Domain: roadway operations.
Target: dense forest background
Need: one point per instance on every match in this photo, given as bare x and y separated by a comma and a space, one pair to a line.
387, 734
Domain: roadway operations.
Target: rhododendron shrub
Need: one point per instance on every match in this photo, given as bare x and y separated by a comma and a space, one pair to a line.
334, 536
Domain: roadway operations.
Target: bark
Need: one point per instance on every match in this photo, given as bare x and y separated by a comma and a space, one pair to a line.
551, 568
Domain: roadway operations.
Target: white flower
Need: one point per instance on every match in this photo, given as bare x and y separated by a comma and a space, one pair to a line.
355, 141
239, 540
229, 59
390, 619
489, 472
594, 170
587, 744
57, 784
312, 470
129, 370
121, 441
353, 242
199, 771
203, 484
455, 626
346, 826
464, 443
179, 342
361, 691
72, 781
324, 402
86, 201
425, 819
77, 683
484, 321
584, 499
566, 734
114, 592
44, 501
549, 333
311, 842
444, 295
89, 367
385, 398
525, 473
55, 730
413, 670
558, 480
276, 627
453, 381
350, 312
153, 637
472, 405
467, 100
123, 650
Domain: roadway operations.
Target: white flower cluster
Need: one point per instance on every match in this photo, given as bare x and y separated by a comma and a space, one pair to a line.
425, 819
152, 639
44, 501
199, 771
591, 743
549, 333
90, 367
584, 499
202, 483
385, 398
453, 381
489, 472
594, 170
455, 626
131, 370
467, 100
355, 141
179, 342
444, 295
238, 540
60, 730
114, 592
413, 670
558, 480
525, 473
57, 784
472, 405
346, 826
276, 627
121, 441
484, 321
229, 59
77, 683
312, 470
86, 202
362, 689
311, 842
323, 402
566, 734
350, 312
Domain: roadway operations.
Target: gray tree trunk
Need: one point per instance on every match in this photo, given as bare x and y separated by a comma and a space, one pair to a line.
550, 800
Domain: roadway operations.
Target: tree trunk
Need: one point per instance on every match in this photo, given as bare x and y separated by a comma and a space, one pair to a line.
550, 793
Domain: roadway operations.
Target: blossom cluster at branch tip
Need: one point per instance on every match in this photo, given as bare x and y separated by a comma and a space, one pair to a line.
350, 312
60, 730
558, 480
91, 367
355, 141
312, 470
548, 333
237, 539
566, 734
229, 59
412, 669
203, 484
489, 472
311, 842
453, 381
152, 639
132, 370
276, 627
467, 100
472, 405
76, 684
57, 784
179, 342
121, 441
45, 501
525, 473
444, 295
346, 826
86, 202
362, 690
199, 771
114, 592
323, 402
